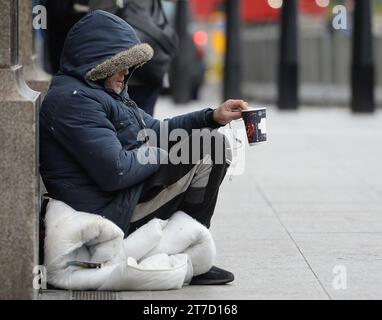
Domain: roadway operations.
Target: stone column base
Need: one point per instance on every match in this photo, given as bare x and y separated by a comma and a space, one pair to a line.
19, 187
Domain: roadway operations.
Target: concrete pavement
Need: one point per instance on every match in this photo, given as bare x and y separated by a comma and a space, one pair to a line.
305, 219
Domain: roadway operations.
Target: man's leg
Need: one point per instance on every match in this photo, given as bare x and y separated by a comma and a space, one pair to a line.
189, 188
192, 188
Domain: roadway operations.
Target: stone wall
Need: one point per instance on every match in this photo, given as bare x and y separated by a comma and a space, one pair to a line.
19, 188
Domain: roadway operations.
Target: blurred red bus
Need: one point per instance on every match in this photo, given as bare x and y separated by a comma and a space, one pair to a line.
256, 10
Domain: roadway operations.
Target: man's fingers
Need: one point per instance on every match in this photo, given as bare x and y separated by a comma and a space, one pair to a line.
237, 105
236, 116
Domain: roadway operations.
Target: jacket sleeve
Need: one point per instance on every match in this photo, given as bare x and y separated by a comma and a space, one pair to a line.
84, 130
194, 120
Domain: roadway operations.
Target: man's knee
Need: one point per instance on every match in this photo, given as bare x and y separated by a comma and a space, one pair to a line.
225, 151
204, 145
215, 144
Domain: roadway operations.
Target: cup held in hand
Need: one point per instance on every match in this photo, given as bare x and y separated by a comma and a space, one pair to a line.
255, 125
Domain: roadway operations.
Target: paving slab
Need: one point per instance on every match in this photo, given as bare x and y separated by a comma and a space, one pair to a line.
332, 222
264, 269
333, 207
357, 255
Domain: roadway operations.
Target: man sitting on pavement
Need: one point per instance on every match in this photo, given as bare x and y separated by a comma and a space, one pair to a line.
92, 154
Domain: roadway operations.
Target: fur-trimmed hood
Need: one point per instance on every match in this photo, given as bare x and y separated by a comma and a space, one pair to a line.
101, 44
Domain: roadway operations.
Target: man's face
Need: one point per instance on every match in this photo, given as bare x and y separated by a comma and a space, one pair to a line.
117, 81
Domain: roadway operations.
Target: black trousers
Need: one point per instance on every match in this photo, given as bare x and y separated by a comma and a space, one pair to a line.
192, 188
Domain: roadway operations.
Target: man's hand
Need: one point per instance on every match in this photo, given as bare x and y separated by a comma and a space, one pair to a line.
229, 110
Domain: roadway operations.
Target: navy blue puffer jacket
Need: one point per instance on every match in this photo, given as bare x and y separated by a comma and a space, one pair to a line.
88, 134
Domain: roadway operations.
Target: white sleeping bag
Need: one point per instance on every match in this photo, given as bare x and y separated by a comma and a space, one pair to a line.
161, 255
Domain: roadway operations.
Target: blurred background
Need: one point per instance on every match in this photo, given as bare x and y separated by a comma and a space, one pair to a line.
238, 45
324, 54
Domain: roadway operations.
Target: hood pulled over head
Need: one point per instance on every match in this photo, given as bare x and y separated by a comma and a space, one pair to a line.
100, 45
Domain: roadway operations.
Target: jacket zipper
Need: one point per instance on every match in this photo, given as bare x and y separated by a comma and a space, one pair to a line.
130, 103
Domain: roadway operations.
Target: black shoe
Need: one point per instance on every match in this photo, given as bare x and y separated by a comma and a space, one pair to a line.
215, 276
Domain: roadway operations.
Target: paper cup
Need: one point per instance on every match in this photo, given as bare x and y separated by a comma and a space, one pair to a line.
255, 125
